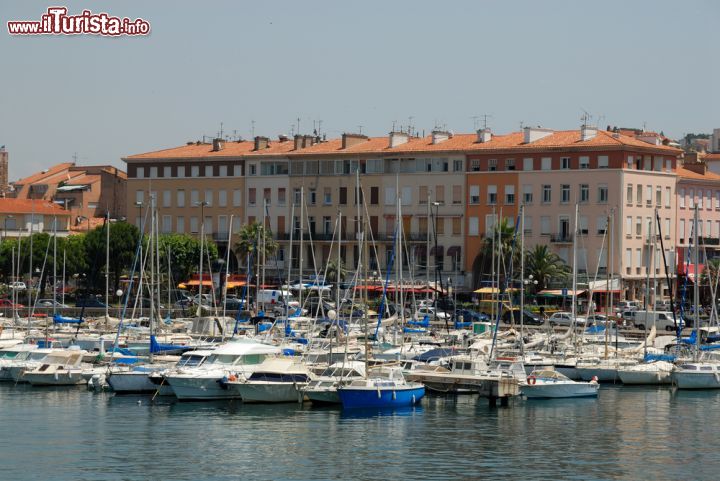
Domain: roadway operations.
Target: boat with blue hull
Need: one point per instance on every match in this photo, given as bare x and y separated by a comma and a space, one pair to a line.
387, 388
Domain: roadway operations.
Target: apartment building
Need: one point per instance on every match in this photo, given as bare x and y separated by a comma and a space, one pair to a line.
22, 217
550, 172
87, 192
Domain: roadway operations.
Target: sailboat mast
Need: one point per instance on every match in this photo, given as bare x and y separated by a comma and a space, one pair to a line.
202, 250
522, 277
107, 265
300, 255
262, 252
696, 287
152, 271
54, 264
573, 297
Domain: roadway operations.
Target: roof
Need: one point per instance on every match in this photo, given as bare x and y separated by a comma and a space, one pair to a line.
684, 173
30, 206
461, 143
87, 224
54, 170
714, 156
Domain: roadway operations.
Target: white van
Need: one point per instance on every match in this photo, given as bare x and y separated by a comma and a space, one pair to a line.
663, 320
275, 297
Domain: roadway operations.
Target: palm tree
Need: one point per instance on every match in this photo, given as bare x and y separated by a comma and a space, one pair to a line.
251, 242
508, 246
333, 268
545, 266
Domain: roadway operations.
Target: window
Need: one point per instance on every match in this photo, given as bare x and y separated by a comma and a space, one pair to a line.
458, 165
208, 197
166, 224
208, 224
167, 171
237, 170
528, 163
139, 197
708, 201
423, 195
681, 198
545, 225
691, 198
668, 193
253, 169
281, 195
527, 194
237, 196
628, 226
222, 198
194, 197
208, 171
547, 194
153, 172
473, 226
602, 194
343, 196
180, 224
423, 225
546, 163
327, 195
564, 163
528, 225
223, 225
509, 195
658, 196
638, 226
682, 231
474, 194
492, 194
440, 225
457, 226
584, 193
313, 197
406, 195
602, 161
717, 199
668, 165
181, 174
628, 260
509, 164
440, 194
638, 260
390, 196
584, 162
297, 196
475, 165
374, 196
601, 223
267, 196
667, 227
630, 161
629, 196
252, 196
223, 171
492, 165
194, 225
489, 223
564, 193
457, 194
140, 172
180, 198
195, 171
638, 199
167, 198
327, 228
647, 163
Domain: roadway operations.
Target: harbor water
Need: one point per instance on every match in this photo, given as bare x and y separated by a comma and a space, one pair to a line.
626, 433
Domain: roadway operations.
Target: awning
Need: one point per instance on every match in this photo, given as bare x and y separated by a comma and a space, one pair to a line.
196, 283
437, 251
560, 292
420, 251
689, 270
453, 251
602, 286
234, 284
493, 290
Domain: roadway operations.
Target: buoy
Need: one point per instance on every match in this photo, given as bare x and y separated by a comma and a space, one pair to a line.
139, 402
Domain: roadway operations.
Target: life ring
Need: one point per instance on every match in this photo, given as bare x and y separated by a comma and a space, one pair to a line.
531, 380
232, 377
594, 379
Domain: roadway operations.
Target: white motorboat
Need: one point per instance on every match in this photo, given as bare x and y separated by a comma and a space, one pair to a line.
546, 383
323, 389
135, 380
655, 372
697, 375
208, 381
464, 375
603, 370
60, 368
275, 380
12, 354
14, 369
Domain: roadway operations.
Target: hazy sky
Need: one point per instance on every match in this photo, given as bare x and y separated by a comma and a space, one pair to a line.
363, 63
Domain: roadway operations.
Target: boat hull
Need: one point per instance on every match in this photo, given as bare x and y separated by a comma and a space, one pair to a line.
131, 383
267, 392
200, 388
645, 377
559, 390
58, 378
601, 374
372, 397
696, 380
323, 396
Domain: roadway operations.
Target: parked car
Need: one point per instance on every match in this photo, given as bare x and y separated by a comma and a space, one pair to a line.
663, 320
431, 313
50, 303
600, 320
233, 303
444, 304
17, 286
623, 306
467, 315
4, 303
566, 319
528, 318
205, 301
146, 302
89, 302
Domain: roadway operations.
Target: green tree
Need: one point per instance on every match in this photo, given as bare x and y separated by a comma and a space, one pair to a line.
184, 254
123, 245
333, 268
545, 266
250, 242
508, 249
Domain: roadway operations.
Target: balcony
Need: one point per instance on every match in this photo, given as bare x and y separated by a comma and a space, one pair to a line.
562, 238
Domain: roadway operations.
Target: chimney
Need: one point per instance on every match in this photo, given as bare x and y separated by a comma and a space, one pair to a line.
440, 136
588, 132
308, 141
298, 141
484, 135
218, 145
531, 134
398, 138
348, 140
694, 163
649, 138
261, 143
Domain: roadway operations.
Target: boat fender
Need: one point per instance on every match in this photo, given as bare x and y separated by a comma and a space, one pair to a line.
379, 393
413, 399
594, 379
531, 380
232, 377
394, 396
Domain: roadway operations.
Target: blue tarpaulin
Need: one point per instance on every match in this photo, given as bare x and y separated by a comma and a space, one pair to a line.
58, 319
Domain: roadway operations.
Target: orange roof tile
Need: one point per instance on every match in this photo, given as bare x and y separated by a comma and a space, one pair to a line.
465, 143
715, 156
88, 224
54, 170
689, 174
29, 206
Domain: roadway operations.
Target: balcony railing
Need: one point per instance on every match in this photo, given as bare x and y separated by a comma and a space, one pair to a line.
562, 238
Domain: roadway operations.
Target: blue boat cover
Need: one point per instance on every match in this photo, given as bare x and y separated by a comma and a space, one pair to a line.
424, 323
157, 347
434, 354
58, 319
658, 357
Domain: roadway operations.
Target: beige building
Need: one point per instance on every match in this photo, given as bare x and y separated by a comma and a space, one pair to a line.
23, 217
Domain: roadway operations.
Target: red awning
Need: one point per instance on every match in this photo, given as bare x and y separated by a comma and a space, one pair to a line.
437, 251
453, 251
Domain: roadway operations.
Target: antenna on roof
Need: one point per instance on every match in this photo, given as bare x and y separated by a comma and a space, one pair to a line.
220, 135
298, 124
410, 125
485, 118
644, 126
75, 157
393, 125
586, 118
252, 128
319, 126
360, 129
